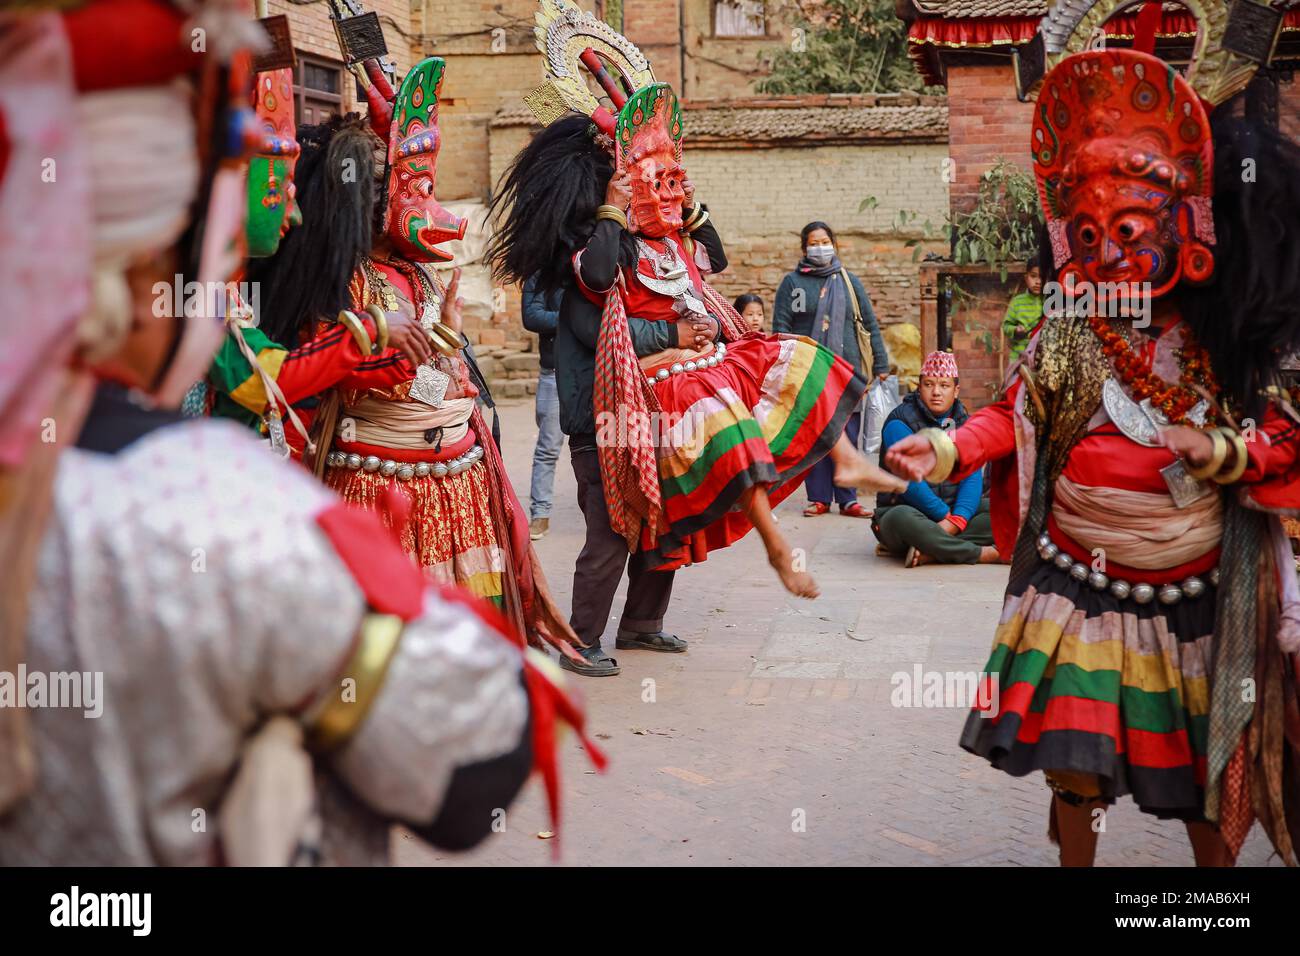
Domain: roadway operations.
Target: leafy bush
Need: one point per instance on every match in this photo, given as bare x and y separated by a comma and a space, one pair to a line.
843, 46
1003, 226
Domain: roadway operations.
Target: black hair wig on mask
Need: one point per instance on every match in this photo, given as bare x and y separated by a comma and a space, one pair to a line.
1248, 315
307, 278
545, 205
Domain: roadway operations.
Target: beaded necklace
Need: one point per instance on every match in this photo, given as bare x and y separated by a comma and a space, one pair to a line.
1174, 401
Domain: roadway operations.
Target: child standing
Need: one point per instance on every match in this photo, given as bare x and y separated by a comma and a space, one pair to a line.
1024, 312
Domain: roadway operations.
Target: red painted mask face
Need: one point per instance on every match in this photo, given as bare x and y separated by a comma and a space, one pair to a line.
1128, 220
657, 194
1123, 160
649, 135
413, 220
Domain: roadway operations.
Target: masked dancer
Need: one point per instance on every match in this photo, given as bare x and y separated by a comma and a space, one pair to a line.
702, 425
1148, 640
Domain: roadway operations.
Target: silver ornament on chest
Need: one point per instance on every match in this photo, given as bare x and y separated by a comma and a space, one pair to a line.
430, 385
1141, 422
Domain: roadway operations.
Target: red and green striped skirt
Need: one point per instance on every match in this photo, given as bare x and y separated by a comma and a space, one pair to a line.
763, 416
1091, 684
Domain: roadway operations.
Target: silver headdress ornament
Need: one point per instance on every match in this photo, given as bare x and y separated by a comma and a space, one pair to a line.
571, 39
1234, 39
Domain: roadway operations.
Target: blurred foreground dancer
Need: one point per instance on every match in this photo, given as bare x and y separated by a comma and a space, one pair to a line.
223, 663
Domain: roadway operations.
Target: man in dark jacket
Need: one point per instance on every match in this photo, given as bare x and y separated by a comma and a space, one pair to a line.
947, 523
541, 314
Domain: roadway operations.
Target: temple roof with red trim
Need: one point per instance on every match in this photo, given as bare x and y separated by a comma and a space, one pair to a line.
942, 30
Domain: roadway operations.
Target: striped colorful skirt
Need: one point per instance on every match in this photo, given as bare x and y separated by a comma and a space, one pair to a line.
445, 523
763, 416
1087, 683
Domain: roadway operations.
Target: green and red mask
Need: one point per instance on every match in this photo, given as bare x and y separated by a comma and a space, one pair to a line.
648, 136
272, 209
413, 220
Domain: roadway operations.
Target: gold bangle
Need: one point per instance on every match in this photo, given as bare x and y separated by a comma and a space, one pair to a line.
1217, 456
696, 222
695, 214
1240, 461
381, 326
358, 330
445, 339
612, 213
945, 454
338, 715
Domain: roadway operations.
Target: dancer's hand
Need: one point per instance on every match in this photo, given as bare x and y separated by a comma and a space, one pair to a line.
913, 457
619, 191
406, 335
452, 303
688, 189
693, 333
1190, 444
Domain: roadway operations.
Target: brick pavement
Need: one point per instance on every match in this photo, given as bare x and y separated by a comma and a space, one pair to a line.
774, 741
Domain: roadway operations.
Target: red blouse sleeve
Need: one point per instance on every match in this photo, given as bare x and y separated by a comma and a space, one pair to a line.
1271, 447
986, 436
321, 363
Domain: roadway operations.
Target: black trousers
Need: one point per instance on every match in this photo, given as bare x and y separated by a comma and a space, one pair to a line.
601, 562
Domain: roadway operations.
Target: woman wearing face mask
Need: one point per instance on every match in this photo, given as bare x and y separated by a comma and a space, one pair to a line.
824, 301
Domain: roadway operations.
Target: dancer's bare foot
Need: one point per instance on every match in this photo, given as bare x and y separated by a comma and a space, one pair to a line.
798, 583
856, 470
989, 555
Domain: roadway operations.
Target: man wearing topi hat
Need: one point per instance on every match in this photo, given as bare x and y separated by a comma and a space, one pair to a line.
947, 522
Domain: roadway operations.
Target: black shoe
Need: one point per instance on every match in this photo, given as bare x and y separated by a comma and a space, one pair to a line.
598, 663
659, 641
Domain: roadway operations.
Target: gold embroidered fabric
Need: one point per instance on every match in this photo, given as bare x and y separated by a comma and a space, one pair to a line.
1069, 371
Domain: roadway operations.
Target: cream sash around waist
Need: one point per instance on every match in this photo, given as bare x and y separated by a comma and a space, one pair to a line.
403, 424
1137, 528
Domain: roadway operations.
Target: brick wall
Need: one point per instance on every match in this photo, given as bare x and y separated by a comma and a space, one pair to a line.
656, 27
968, 321
718, 67
761, 198
985, 122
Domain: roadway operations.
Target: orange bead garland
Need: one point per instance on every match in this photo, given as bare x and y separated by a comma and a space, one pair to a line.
1174, 401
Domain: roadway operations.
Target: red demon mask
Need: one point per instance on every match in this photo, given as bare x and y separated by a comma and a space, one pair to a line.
649, 138
1123, 160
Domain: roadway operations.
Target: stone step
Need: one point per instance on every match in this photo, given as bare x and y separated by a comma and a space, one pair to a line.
530, 362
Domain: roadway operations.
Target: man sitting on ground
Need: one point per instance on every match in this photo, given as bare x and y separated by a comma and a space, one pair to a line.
947, 523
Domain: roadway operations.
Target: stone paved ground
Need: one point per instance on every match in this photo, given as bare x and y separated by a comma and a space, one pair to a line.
780, 715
